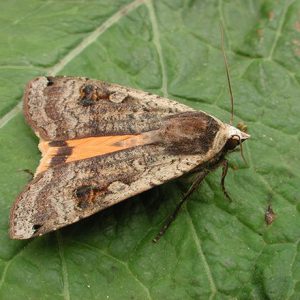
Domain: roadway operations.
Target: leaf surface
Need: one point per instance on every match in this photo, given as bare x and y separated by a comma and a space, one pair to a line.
215, 249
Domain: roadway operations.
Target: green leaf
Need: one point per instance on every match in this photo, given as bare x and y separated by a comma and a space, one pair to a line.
215, 249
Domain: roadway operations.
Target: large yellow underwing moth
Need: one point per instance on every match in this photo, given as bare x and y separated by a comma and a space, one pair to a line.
102, 143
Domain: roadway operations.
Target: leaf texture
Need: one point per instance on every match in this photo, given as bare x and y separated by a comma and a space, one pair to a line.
215, 249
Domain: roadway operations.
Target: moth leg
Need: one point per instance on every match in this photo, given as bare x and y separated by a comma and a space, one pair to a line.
224, 173
173, 216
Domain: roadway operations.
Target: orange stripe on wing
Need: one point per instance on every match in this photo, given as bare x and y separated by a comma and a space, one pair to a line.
94, 146
54, 153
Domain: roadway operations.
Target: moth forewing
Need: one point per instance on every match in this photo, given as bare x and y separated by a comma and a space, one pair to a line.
103, 143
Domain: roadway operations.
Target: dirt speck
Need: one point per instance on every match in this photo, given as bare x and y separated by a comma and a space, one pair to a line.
271, 15
260, 33
297, 47
297, 26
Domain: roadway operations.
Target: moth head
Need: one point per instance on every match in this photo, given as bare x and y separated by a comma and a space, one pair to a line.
235, 137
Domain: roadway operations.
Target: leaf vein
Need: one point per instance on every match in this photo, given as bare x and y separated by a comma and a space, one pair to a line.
8, 263
279, 29
202, 255
123, 263
292, 264
94, 35
124, 11
156, 41
66, 292
10, 115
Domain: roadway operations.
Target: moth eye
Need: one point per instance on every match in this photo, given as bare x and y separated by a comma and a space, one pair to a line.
232, 144
36, 227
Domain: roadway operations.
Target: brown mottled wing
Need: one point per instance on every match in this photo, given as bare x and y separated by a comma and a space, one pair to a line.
67, 193
64, 108
176, 139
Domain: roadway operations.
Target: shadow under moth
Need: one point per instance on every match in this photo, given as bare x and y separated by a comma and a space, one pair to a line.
102, 143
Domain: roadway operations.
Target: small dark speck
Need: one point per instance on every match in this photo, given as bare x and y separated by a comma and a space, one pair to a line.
50, 81
36, 227
270, 215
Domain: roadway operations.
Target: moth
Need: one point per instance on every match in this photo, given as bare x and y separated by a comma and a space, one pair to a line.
102, 143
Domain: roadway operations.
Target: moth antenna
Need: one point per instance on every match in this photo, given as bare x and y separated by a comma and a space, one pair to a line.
227, 72
173, 216
224, 173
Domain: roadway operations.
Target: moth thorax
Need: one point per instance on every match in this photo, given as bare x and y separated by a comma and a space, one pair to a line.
189, 133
